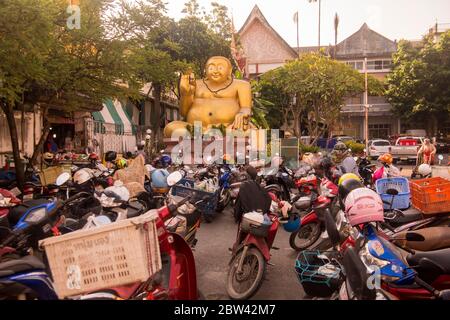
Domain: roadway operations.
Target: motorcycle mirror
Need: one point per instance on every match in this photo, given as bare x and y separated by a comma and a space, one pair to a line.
62, 178
412, 236
174, 178
101, 167
441, 157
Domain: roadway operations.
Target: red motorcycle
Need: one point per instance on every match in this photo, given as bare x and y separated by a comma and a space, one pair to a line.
176, 281
312, 226
251, 251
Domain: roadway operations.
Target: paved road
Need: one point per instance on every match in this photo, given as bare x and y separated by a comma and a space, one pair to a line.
212, 257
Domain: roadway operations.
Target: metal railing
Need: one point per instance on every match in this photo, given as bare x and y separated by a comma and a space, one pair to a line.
359, 108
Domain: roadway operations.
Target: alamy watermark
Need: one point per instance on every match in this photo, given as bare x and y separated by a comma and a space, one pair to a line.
74, 19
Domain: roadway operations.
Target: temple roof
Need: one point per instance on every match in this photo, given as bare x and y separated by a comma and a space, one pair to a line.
365, 43
256, 14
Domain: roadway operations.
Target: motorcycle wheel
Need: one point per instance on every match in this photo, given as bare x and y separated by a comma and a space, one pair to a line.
224, 200
305, 237
244, 286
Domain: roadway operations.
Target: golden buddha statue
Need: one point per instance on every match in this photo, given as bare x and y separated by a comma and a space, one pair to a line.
216, 100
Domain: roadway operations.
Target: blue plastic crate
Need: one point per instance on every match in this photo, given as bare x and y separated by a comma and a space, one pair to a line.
185, 188
400, 201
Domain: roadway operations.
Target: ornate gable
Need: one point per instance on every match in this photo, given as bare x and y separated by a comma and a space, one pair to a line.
261, 43
365, 43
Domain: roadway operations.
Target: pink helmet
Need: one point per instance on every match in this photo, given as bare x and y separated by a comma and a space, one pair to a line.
363, 205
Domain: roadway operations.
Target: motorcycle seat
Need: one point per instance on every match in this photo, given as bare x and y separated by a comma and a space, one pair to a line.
18, 211
433, 238
440, 258
409, 216
18, 265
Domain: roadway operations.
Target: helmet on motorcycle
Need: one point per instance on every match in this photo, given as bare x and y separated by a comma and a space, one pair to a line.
363, 205
326, 163
110, 156
424, 170
340, 146
121, 163
48, 156
93, 156
293, 224
119, 192
348, 176
348, 186
82, 176
159, 178
386, 158
165, 160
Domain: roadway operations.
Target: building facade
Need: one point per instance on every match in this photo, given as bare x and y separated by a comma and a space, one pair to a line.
265, 50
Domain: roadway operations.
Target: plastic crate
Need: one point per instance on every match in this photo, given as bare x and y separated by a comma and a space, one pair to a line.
319, 277
49, 175
400, 201
431, 195
116, 254
185, 188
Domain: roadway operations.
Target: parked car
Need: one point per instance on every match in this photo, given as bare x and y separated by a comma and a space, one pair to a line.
442, 146
406, 148
378, 147
344, 139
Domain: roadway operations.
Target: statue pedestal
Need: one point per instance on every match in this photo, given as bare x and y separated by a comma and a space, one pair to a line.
194, 151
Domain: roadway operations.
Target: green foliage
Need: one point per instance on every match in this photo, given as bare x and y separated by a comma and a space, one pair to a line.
356, 148
418, 85
308, 149
319, 86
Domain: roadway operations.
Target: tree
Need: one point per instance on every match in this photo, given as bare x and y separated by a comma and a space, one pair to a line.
418, 85
317, 87
44, 62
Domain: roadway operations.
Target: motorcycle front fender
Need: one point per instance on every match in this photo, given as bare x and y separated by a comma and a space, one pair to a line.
259, 243
309, 218
183, 276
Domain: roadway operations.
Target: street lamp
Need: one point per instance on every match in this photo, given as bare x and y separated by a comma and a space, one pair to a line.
366, 106
320, 4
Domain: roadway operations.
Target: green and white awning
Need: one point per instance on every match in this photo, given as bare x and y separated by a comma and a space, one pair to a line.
113, 112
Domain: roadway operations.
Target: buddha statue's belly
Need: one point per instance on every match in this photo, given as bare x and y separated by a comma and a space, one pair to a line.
213, 111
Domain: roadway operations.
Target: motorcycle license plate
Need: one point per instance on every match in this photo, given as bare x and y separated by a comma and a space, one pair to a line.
28, 197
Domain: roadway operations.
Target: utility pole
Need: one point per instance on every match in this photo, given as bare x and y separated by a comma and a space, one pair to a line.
320, 8
366, 107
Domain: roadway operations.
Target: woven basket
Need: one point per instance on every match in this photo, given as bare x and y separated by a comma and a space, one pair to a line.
113, 255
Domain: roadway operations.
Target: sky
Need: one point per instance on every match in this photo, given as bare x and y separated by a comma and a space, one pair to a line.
395, 19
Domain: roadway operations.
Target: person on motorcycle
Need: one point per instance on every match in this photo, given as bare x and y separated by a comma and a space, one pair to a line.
326, 168
252, 197
427, 151
344, 160
387, 169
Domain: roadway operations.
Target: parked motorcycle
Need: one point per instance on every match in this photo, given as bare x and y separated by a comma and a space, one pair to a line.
251, 251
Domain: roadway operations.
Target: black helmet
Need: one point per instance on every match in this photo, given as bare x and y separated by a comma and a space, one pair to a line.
340, 146
326, 163
348, 186
110, 156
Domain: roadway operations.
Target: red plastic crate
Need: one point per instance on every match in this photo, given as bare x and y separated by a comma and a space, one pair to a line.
431, 195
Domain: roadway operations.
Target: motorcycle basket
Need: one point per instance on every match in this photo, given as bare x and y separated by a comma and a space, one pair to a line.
318, 273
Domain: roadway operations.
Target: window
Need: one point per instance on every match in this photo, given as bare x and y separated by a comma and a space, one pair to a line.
379, 65
381, 143
379, 131
357, 65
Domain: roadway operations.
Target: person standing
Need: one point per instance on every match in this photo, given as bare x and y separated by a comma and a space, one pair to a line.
427, 151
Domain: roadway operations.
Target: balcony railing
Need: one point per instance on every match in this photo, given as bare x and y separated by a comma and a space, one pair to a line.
359, 108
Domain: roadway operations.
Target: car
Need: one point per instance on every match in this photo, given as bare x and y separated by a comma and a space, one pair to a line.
442, 145
344, 139
378, 147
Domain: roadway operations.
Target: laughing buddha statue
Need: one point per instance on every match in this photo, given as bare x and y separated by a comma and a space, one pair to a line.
216, 100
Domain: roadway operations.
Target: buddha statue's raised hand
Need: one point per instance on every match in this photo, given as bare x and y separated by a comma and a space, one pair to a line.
187, 83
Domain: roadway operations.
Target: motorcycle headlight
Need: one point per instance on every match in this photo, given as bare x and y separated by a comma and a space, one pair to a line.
370, 261
36, 216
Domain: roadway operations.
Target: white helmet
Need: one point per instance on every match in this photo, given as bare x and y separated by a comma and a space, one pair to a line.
82, 176
424, 169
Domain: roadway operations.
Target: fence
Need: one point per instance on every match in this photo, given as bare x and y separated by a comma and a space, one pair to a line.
105, 137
